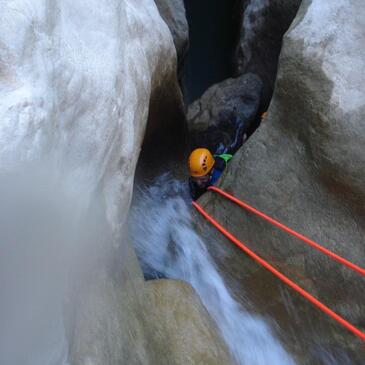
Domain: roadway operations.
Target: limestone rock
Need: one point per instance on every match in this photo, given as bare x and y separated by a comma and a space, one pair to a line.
305, 166
233, 97
81, 84
264, 23
169, 326
173, 13
182, 327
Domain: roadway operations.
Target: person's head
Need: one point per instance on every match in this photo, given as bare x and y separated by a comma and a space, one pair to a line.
201, 164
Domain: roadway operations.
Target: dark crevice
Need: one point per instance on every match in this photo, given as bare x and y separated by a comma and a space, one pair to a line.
217, 43
213, 31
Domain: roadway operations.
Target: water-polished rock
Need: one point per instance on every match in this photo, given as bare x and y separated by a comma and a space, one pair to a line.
209, 117
182, 326
263, 25
173, 13
81, 85
306, 167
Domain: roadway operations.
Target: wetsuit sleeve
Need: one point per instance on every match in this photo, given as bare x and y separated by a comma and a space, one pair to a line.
195, 191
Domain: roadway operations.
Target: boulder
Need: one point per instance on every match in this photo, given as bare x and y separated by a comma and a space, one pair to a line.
182, 327
169, 326
81, 84
173, 13
305, 166
262, 28
209, 117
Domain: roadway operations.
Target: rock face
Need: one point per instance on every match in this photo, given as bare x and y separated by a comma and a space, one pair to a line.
169, 326
208, 117
264, 23
79, 81
182, 326
305, 166
173, 13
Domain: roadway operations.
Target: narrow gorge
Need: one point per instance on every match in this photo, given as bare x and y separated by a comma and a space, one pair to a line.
104, 260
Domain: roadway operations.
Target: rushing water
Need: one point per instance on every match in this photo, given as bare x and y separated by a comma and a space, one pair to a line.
167, 245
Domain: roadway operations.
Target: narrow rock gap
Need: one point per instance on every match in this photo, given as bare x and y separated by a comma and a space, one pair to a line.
246, 38
213, 31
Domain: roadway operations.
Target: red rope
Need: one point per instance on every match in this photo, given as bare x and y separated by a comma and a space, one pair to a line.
308, 241
282, 277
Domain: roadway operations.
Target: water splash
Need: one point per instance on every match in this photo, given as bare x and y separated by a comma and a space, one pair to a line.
167, 245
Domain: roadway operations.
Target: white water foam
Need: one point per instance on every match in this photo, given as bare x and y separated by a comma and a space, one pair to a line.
167, 245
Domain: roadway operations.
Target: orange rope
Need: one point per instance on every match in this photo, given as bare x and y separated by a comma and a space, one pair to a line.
315, 245
281, 276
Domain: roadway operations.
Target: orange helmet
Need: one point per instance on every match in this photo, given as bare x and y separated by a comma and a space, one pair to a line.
201, 162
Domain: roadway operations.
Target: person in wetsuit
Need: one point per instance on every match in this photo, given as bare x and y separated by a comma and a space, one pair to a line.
205, 168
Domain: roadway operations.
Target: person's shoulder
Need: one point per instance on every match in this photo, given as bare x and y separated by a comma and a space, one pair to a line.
220, 163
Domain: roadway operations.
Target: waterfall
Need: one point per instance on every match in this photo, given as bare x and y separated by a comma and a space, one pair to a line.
167, 245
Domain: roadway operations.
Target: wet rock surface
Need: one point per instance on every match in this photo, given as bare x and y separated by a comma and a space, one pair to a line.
209, 118
173, 13
167, 325
305, 167
82, 105
79, 94
182, 327
264, 23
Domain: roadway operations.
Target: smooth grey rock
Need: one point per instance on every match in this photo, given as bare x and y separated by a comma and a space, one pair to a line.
208, 117
182, 327
305, 166
82, 85
173, 13
264, 23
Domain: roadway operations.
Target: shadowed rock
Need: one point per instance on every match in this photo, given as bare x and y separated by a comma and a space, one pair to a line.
209, 117
305, 166
81, 85
264, 23
173, 13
